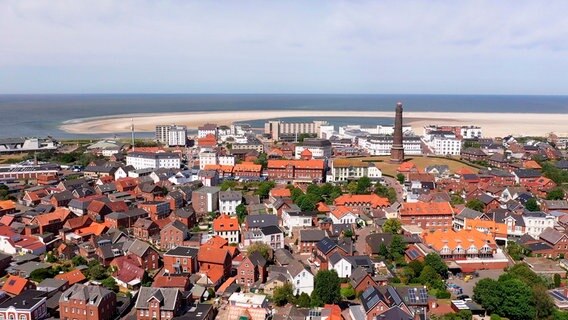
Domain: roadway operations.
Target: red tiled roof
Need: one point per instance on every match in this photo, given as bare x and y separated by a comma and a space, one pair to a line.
406, 166
7, 205
372, 199
280, 192
217, 242
426, 208
15, 285
340, 212
72, 277
225, 223
208, 254
247, 167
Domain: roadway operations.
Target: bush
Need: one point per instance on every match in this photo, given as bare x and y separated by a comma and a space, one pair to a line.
443, 294
348, 292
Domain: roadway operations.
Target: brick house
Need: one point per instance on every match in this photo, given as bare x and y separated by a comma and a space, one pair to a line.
180, 260
247, 169
308, 240
158, 303
156, 209
360, 280
30, 305
126, 184
251, 270
205, 200
124, 220
173, 234
432, 215
147, 256
362, 203
145, 229
296, 170
186, 216
15, 285
84, 302
210, 257
557, 240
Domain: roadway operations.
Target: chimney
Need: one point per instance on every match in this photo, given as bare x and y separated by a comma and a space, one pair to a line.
24, 302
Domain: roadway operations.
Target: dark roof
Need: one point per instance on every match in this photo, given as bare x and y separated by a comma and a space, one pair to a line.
562, 164
182, 251
268, 230
370, 298
551, 235
257, 259
90, 293
325, 245
261, 220
413, 295
166, 296
312, 235
474, 151
527, 173
185, 212
538, 246
283, 257
357, 276
395, 313
22, 301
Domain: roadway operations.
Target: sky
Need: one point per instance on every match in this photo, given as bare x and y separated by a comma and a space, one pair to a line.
432, 47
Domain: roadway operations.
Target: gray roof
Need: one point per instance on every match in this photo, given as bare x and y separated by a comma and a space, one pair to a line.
335, 258
208, 190
28, 267
230, 195
87, 293
551, 235
261, 220
257, 259
138, 247
268, 230
357, 275
167, 297
312, 235
182, 251
283, 257
556, 204
469, 213
295, 267
51, 283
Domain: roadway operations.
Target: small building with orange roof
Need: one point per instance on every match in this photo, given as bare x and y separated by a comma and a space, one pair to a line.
407, 168
343, 215
306, 154
209, 141
362, 203
72, 277
279, 192
15, 285
7, 207
531, 164
227, 227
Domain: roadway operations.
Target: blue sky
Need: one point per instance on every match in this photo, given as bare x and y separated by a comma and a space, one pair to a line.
453, 47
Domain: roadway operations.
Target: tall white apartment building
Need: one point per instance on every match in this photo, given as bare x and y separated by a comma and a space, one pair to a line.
171, 135
443, 143
278, 128
149, 160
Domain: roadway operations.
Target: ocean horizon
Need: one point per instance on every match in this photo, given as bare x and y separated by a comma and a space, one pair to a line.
40, 115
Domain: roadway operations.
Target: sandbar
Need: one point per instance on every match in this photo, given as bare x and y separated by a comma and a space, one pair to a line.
493, 124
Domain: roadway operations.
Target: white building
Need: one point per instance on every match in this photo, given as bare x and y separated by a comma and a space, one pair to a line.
255, 306
227, 228
381, 145
471, 132
27, 144
342, 215
352, 169
271, 235
226, 160
206, 129
207, 158
320, 148
536, 222
143, 160
171, 135
341, 264
443, 143
295, 219
301, 278
229, 200
277, 128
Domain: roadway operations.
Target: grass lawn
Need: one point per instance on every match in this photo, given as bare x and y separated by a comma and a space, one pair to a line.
382, 162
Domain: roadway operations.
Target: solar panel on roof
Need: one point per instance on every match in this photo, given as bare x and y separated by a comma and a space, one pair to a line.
412, 295
374, 300
366, 294
413, 254
559, 296
423, 295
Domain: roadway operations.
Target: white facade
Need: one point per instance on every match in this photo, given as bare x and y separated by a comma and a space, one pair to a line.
295, 220
471, 132
171, 135
207, 158
230, 236
318, 152
276, 128
303, 282
349, 218
381, 145
226, 160
445, 145
120, 173
229, 206
343, 267
144, 160
535, 224
207, 129
373, 172
354, 172
27, 144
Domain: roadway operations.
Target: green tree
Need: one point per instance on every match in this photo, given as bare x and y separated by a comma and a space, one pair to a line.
264, 189
487, 293
348, 233
97, 272
363, 185
397, 247
518, 303
555, 194
50, 257
389, 193
416, 266
456, 200
262, 160
282, 295
516, 251
264, 249
38, 275
542, 302
228, 184
352, 187
430, 278
307, 202
348, 292
296, 193
475, 204
392, 226
110, 284
532, 205
400, 177
303, 300
383, 250
79, 261
326, 287
241, 210
557, 280
436, 262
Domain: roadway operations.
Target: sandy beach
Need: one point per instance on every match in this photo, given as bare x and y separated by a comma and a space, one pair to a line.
493, 124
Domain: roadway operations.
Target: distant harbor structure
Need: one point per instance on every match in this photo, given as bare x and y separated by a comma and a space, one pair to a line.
397, 150
8, 145
288, 131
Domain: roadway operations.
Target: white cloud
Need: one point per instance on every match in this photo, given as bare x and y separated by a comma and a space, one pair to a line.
281, 46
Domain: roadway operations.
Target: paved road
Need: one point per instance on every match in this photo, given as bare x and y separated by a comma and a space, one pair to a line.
391, 182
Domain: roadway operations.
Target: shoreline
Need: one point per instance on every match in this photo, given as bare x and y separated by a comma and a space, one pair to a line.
492, 124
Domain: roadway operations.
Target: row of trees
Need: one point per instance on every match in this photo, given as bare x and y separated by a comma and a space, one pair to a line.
518, 294
430, 273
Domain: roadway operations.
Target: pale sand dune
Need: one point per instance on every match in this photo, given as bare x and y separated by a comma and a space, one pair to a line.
493, 124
